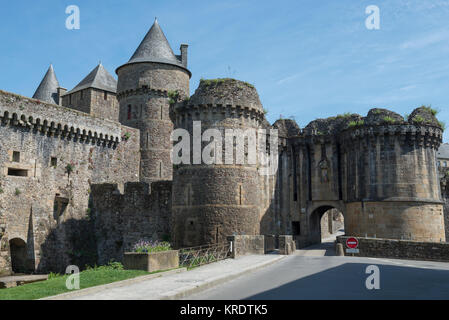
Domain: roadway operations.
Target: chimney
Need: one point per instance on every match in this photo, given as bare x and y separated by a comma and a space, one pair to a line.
184, 54
61, 92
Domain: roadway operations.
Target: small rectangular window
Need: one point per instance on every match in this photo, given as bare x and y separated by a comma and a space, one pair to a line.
105, 95
53, 162
129, 112
17, 172
82, 94
16, 156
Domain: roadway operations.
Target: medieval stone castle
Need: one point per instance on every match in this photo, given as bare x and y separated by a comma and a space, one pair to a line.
86, 173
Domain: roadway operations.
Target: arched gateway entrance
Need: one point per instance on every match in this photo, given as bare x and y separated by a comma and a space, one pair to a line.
325, 223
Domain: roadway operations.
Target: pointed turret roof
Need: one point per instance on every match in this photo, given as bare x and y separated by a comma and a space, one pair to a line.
98, 78
155, 48
48, 88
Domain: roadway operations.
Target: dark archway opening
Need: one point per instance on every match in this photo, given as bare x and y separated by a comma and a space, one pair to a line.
19, 256
326, 223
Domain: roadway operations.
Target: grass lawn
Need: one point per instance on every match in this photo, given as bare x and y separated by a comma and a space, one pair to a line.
56, 284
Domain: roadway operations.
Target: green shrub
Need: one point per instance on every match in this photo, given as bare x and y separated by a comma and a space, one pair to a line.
174, 96
126, 136
69, 168
418, 119
344, 115
434, 112
389, 119
353, 124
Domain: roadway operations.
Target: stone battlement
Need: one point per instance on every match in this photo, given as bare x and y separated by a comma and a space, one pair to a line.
54, 120
144, 90
423, 135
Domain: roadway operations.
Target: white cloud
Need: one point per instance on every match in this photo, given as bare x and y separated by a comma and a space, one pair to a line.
426, 40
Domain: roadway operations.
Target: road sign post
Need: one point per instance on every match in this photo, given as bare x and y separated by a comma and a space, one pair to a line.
352, 245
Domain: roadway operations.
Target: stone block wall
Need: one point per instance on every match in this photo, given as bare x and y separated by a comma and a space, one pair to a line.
127, 214
396, 220
95, 102
287, 245
445, 198
400, 249
246, 244
49, 159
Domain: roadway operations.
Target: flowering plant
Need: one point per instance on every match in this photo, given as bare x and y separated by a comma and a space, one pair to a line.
151, 246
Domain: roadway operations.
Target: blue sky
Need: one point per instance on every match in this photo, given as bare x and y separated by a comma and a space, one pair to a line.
307, 58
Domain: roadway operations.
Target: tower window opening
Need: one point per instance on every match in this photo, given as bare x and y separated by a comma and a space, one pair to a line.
16, 156
17, 172
240, 195
105, 96
129, 112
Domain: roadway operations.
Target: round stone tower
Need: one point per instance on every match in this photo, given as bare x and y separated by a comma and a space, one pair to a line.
146, 83
390, 182
218, 198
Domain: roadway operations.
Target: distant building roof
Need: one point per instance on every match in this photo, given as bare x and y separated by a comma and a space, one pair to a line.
99, 78
155, 48
48, 88
443, 151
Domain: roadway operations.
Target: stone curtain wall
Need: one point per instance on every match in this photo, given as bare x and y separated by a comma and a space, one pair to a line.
124, 217
5, 259
44, 204
400, 249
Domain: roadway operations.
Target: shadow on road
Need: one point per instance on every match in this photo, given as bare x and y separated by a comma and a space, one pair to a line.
347, 281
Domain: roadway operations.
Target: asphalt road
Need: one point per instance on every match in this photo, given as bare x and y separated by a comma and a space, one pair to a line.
316, 274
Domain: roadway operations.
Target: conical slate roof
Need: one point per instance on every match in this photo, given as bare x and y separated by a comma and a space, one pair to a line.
99, 78
48, 88
155, 48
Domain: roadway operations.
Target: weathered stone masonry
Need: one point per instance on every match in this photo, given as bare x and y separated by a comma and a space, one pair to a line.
127, 214
82, 188
45, 208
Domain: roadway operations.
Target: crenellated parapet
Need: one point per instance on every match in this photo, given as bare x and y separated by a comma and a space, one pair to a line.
412, 134
223, 100
57, 121
144, 90
186, 111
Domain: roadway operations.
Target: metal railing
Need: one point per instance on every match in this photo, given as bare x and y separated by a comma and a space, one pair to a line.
198, 256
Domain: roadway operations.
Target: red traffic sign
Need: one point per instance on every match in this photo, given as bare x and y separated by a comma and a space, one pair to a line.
352, 243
